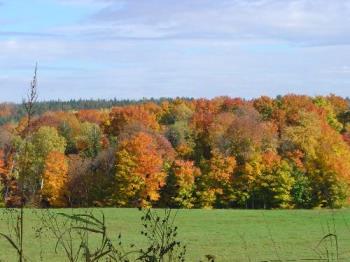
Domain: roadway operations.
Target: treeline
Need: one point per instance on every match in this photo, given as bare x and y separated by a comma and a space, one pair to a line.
289, 152
12, 112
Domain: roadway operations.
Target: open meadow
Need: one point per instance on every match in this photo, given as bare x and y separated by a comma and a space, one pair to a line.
228, 235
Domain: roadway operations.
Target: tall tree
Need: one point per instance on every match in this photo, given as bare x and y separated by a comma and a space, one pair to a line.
55, 177
139, 171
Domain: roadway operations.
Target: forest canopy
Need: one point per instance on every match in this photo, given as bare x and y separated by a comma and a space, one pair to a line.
291, 151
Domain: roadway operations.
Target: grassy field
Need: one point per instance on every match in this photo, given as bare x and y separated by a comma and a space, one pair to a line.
229, 235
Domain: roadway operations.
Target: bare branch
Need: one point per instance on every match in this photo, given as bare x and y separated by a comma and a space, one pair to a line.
32, 97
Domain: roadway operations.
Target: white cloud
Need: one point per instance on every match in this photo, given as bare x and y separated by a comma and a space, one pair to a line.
136, 48
296, 21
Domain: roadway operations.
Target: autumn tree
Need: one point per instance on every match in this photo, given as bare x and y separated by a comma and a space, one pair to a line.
91, 181
103, 178
328, 112
326, 157
245, 179
215, 185
221, 177
266, 106
200, 123
89, 141
330, 171
31, 154
292, 105
175, 111
180, 185
46, 140
139, 171
274, 184
79, 180
218, 131
248, 135
181, 138
93, 116
54, 182
121, 118
339, 104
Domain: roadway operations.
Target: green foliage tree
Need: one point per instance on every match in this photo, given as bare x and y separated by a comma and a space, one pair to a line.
46, 140
66, 131
330, 114
274, 186
301, 190
89, 140
31, 155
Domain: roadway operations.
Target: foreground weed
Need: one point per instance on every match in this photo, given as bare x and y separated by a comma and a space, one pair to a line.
13, 218
72, 233
162, 238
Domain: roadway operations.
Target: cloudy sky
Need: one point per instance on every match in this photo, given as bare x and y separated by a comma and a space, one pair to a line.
155, 48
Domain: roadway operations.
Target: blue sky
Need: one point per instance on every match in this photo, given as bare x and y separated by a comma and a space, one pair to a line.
155, 48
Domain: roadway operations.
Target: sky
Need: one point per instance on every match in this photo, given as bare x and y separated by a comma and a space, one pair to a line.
165, 48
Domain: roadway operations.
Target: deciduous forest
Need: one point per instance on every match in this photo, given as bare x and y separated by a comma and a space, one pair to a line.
291, 151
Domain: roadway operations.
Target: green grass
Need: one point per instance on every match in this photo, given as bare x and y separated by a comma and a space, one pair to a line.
229, 235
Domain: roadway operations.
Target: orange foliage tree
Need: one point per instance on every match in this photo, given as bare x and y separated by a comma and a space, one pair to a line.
220, 178
92, 116
139, 171
122, 117
55, 179
288, 151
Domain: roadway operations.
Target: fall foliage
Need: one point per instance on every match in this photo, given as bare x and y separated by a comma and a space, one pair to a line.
291, 151
139, 171
54, 181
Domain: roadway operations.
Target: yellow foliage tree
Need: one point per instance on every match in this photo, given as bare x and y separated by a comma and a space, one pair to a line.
180, 188
55, 179
215, 186
140, 174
